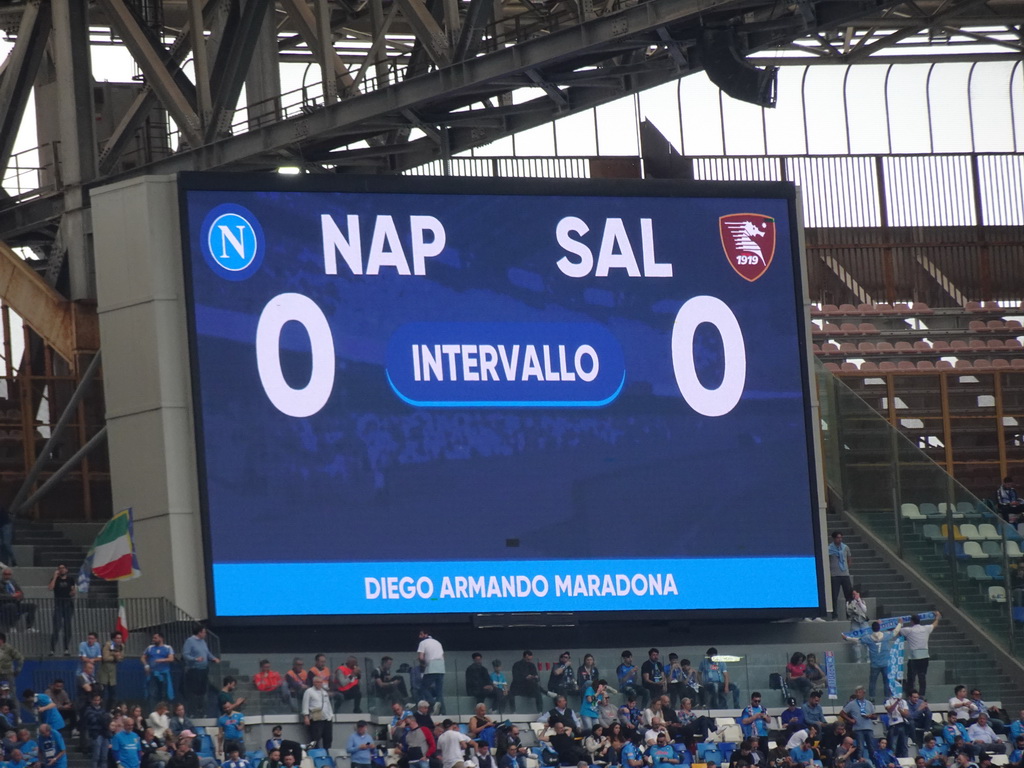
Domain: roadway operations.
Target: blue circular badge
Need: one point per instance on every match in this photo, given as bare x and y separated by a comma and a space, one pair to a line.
232, 242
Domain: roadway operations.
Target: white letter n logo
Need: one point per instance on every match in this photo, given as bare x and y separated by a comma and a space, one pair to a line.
238, 243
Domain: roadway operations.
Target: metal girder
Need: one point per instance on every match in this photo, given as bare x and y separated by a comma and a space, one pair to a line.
19, 73
232, 63
303, 19
478, 16
153, 60
428, 31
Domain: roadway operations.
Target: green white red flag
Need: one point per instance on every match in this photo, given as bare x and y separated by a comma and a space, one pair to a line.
112, 556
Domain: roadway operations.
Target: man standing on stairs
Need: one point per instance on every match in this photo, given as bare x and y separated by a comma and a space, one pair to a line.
917, 636
197, 657
839, 563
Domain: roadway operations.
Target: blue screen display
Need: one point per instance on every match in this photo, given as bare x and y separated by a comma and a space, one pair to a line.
542, 398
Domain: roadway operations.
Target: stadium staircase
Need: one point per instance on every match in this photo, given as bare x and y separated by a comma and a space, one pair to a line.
872, 470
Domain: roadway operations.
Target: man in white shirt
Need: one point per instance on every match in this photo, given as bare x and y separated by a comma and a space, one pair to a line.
898, 710
799, 737
917, 635
984, 738
431, 656
452, 744
960, 704
318, 714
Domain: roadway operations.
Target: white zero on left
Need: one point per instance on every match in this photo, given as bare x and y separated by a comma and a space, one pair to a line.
307, 400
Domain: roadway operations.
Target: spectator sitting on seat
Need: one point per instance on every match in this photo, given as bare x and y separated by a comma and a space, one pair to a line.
962, 705
630, 715
511, 758
13, 605
318, 670
422, 714
235, 759
813, 713
272, 760
483, 757
651, 732
598, 746
628, 676
184, 756
920, 716
563, 713
1017, 756
227, 700
652, 675
159, 721
632, 755
792, 717
847, 755
662, 753
1007, 501
482, 729
478, 680
671, 718
274, 742
796, 674
799, 737
653, 710
803, 754
692, 724
28, 746
814, 671
996, 718
1017, 726
511, 738
779, 757
714, 676
954, 730
17, 760
746, 755
525, 682
984, 738
562, 680
499, 685
932, 752
153, 753
569, 753
267, 680
179, 722
297, 680
388, 686
396, 728
883, 757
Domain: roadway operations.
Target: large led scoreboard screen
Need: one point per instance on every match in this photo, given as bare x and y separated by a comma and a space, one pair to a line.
424, 396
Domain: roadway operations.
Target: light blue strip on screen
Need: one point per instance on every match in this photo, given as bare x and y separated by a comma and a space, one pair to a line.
301, 589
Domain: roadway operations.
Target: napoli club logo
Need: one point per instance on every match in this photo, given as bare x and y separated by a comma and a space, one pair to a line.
749, 243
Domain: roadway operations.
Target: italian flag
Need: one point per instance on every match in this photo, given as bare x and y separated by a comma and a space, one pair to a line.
112, 556
122, 620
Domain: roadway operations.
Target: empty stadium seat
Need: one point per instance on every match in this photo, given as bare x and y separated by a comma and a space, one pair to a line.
996, 344
989, 532
959, 344
997, 594
957, 535
946, 509
992, 549
848, 328
931, 532
943, 365
867, 328
970, 531
906, 365
983, 364
883, 346
963, 364
910, 511
925, 365
1017, 362
995, 325
866, 347
929, 510
994, 571
922, 346
815, 348
976, 325
867, 365
887, 365
1000, 363
976, 344
920, 308
1012, 344
848, 347
904, 346
966, 508
828, 348
973, 549
832, 367
1013, 549
866, 309
977, 573
940, 346
848, 367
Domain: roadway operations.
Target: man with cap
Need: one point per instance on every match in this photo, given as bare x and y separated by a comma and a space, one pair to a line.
452, 744
792, 717
359, 745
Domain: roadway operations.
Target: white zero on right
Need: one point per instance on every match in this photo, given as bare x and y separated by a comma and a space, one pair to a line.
722, 399
307, 400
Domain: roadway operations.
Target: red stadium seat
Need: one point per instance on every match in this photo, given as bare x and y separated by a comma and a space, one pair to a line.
904, 346
867, 347
1000, 363
868, 309
867, 328
942, 365
963, 364
887, 365
982, 363
828, 348
977, 344
884, 346
847, 367
920, 308
940, 346
922, 346
995, 344
995, 325
977, 325
906, 365
833, 367
867, 365
848, 309
925, 365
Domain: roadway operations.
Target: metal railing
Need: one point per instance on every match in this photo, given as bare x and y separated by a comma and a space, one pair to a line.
952, 539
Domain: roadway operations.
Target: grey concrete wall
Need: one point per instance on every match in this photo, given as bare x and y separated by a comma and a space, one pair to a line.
140, 296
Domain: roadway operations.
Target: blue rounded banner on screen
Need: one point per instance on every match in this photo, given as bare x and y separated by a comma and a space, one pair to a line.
509, 365
233, 242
